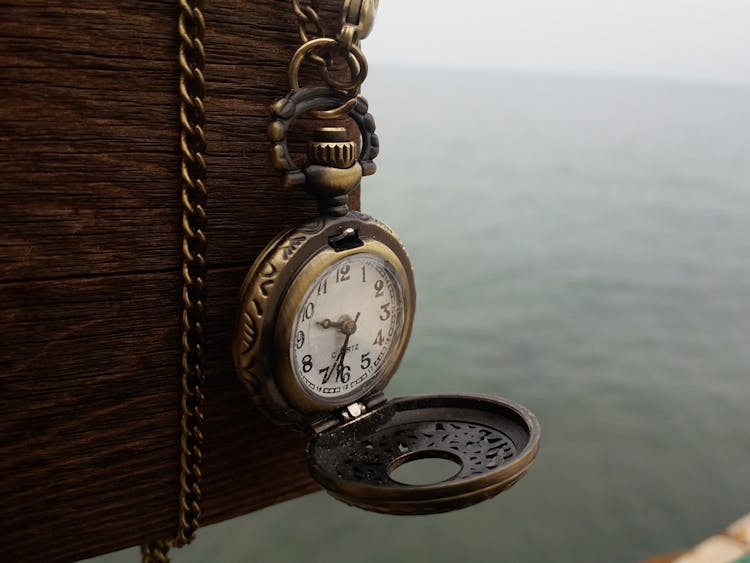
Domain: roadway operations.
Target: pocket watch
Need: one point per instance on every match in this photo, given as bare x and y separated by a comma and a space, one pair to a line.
327, 310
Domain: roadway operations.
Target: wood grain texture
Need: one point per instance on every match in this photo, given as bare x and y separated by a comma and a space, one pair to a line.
90, 268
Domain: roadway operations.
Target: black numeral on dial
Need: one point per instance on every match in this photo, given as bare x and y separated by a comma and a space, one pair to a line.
385, 312
307, 364
308, 311
342, 274
343, 373
365, 362
326, 375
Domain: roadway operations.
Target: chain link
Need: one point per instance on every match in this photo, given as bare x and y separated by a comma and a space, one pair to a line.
309, 23
155, 552
191, 27
310, 27
321, 49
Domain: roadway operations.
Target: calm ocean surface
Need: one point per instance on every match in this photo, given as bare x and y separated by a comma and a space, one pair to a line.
581, 246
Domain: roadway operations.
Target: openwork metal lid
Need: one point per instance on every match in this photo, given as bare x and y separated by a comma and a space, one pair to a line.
492, 440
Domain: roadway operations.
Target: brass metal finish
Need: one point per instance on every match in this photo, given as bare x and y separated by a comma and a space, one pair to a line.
309, 23
192, 59
336, 113
331, 185
331, 147
354, 56
273, 287
359, 14
494, 440
333, 171
192, 86
357, 20
155, 552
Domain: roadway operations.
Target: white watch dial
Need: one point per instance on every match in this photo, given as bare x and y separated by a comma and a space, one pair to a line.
347, 327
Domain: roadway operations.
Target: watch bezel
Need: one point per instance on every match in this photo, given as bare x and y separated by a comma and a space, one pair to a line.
255, 348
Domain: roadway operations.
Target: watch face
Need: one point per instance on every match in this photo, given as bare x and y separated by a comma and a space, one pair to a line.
347, 327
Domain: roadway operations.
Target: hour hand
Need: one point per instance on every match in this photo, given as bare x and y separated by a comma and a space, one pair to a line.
345, 324
328, 323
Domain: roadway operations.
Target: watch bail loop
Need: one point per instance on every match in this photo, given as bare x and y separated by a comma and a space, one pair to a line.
326, 176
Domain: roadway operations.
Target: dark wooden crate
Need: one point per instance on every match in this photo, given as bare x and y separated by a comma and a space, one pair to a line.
90, 268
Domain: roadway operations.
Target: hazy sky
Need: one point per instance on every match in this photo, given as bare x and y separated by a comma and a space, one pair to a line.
691, 39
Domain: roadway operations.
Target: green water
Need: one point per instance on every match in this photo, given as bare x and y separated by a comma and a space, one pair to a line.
581, 246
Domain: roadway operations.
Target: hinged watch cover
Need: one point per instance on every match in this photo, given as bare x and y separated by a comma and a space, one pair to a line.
492, 440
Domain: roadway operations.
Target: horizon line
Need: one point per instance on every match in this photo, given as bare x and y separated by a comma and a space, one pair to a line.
561, 73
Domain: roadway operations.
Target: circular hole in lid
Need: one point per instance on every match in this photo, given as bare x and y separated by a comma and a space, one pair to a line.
425, 468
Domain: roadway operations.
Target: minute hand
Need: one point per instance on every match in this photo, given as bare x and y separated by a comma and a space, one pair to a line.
335, 364
351, 328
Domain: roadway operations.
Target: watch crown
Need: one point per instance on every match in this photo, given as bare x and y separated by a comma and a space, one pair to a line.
332, 147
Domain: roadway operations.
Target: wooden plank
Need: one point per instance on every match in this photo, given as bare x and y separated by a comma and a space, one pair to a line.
89, 121
90, 268
89, 395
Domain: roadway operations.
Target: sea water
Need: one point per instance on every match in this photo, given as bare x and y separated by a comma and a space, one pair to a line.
581, 246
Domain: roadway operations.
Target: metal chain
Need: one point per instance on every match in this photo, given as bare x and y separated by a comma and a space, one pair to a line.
309, 23
191, 27
192, 60
155, 552
357, 17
